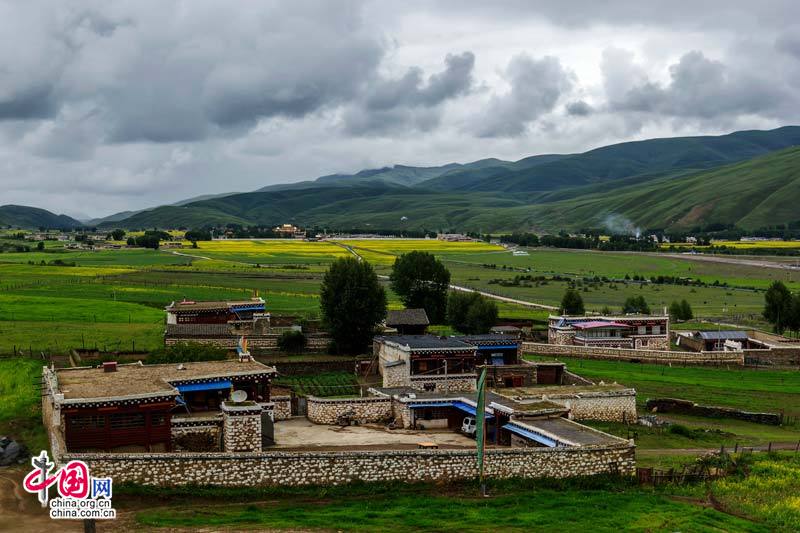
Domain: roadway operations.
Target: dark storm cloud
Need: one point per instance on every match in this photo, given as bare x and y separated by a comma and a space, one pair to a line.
409, 102
579, 108
535, 87
28, 103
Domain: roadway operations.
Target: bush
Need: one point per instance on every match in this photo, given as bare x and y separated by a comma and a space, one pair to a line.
292, 341
572, 303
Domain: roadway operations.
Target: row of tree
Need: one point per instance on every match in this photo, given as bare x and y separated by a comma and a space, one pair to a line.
353, 301
572, 304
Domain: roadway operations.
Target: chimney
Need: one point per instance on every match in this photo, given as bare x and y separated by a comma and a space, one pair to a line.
110, 366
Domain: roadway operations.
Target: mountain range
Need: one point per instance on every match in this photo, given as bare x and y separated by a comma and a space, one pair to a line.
747, 178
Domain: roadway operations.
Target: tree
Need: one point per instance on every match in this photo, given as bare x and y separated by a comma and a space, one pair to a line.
471, 313
292, 341
40, 246
778, 306
675, 311
572, 303
352, 302
422, 281
195, 235
686, 310
118, 234
636, 305
680, 310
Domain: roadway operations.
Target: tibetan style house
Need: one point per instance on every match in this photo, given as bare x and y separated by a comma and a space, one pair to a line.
431, 363
130, 407
629, 331
223, 312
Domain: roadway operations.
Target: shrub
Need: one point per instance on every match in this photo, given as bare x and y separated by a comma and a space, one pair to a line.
292, 341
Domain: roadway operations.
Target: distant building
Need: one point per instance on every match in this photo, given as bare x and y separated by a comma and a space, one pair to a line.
408, 321
290, 231
719, 341
454, 237
628, 331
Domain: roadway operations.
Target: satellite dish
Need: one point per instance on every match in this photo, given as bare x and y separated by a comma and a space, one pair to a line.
239, 396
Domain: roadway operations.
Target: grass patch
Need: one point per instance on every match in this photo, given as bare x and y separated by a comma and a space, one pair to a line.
20, 404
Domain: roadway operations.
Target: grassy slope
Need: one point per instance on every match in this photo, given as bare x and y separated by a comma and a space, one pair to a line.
34, 217
751, 194
649, 181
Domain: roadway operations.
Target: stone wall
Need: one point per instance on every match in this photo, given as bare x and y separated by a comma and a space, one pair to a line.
327, 411
644, 356
442, 383
241, 427
611, 406
562, 337
307, 368
496, 375
786, 356
255, 343
334, 468
282, 409
196, 436
686, 407
395, 376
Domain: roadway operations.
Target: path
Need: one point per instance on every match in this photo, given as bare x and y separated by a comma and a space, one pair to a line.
733, 261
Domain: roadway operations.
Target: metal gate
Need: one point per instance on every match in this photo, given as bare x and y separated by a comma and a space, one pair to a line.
299, 406
267, 429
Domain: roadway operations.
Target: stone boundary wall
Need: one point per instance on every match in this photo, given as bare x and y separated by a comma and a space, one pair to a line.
307, 368
443, 384
196, 437
686, 407
644, 356
256, 343
612, 406
334, 468
775, 356
282, 408
327, 411
571, 378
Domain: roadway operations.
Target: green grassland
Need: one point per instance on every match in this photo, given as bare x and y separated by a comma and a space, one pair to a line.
747, 389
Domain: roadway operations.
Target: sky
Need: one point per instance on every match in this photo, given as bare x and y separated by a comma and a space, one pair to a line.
108, 106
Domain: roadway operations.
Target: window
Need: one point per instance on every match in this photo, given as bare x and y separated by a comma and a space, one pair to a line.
86, 422
157, 419
642, 330
127, 421
656, 330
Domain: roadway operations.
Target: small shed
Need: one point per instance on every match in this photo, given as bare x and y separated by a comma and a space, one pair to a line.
408, 321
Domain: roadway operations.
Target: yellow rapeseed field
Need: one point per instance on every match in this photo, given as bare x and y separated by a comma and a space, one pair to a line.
743, 245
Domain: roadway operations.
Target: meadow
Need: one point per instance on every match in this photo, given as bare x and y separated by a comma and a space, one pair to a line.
116, 297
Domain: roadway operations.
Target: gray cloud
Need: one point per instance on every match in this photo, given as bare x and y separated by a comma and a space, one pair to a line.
536, 85
699, 87
111, 105
409, 102
579, 108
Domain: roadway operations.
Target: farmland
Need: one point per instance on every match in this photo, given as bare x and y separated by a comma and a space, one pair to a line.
115, 297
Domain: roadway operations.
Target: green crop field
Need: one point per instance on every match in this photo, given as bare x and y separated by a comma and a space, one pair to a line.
116, 297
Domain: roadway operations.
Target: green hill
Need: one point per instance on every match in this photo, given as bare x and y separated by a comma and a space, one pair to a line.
21, 216
747, 178
751, 194
605, 165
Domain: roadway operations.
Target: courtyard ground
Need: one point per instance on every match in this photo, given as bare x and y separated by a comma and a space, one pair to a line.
299, 434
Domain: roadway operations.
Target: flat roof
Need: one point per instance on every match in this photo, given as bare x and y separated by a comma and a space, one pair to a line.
191, 305
420, 342
136, 379
722, 335
593, 324
570, 431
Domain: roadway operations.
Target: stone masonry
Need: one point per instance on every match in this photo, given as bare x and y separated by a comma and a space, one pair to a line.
282, 409
441, 383
325, 411
611, 406
334, 468
241, 427
629, 354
